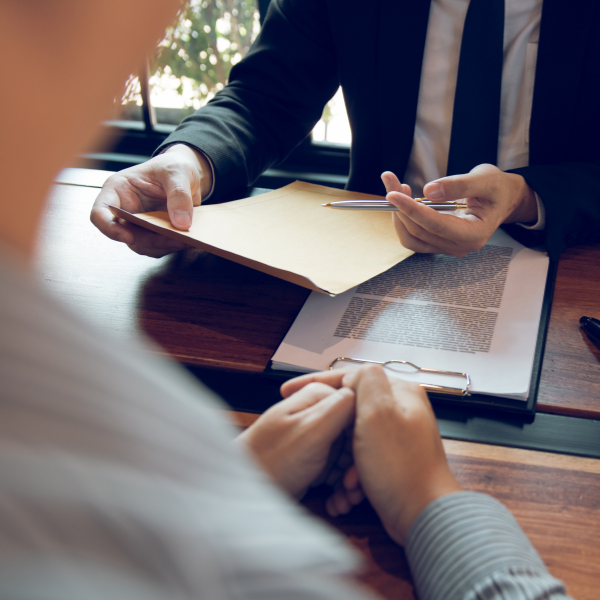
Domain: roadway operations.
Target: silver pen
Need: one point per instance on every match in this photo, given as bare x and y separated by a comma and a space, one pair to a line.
385, 205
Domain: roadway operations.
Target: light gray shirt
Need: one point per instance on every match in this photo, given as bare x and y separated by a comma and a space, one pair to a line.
429, 155
118, 480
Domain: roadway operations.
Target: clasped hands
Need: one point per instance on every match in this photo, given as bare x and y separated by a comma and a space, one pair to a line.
377, 436
181, 177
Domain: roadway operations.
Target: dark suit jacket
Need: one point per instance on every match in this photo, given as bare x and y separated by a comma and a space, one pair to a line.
374, 50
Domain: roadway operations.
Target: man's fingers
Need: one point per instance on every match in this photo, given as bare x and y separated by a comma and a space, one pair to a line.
306, 397
177, 185
148, 243
410, 395
374, 389
331, 378
144, 188
410, 241
372, 386
482, 181
392, 184
140, 240
197, 198
421, 240
334, 412
355, 496
338, 504
343, 500
463, 228
104, 220
351, 480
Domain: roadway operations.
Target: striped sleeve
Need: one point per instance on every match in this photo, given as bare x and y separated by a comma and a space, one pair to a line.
468, 546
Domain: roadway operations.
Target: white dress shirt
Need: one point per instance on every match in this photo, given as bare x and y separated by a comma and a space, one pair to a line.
429, 157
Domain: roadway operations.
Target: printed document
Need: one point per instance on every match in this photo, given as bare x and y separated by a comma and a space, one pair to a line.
479, 314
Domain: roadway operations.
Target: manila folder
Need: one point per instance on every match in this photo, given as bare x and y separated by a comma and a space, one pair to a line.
288, 234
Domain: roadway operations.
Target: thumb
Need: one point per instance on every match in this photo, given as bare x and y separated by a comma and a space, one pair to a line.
480, 182
177, 186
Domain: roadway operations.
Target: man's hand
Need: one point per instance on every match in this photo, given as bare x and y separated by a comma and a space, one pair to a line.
399, 460
397, 448
298, 440
492, 196
176, 180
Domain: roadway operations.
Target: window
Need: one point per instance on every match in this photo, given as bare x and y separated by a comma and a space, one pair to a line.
333, 126
191, 64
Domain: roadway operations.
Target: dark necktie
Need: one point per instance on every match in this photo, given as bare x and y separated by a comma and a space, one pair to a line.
476, 117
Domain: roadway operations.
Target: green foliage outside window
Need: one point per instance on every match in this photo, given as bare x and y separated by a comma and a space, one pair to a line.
196, 55
193, 61
210, 37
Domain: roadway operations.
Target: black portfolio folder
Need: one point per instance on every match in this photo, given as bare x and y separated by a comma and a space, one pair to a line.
484, 400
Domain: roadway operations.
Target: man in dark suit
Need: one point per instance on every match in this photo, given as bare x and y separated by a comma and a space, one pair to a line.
386, 56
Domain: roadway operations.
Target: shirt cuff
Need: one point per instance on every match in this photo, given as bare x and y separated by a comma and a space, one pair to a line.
212, 168
541, 222
460, 540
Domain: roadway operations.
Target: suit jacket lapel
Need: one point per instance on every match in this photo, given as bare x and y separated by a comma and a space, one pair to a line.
564, 31
403, 29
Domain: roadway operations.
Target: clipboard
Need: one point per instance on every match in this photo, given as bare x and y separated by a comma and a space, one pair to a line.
461, 395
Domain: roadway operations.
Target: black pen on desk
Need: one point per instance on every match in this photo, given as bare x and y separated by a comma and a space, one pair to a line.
591, 328
387, 206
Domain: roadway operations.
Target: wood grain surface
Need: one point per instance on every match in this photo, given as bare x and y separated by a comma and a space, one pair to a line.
555, 499
208, 312
570, 381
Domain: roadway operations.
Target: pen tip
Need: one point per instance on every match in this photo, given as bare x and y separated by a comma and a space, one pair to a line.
326, 205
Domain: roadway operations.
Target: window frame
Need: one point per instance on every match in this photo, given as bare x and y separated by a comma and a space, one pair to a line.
133, 142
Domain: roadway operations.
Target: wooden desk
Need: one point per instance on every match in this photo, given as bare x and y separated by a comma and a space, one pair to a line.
555, 499
207, 312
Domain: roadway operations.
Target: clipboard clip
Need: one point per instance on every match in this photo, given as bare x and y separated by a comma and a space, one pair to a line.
440, 389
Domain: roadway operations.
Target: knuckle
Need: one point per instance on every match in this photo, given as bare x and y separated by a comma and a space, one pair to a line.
460, 189
317, 388
115, 181
372, 369
495, 184
112, 180
457, 187
179, 190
